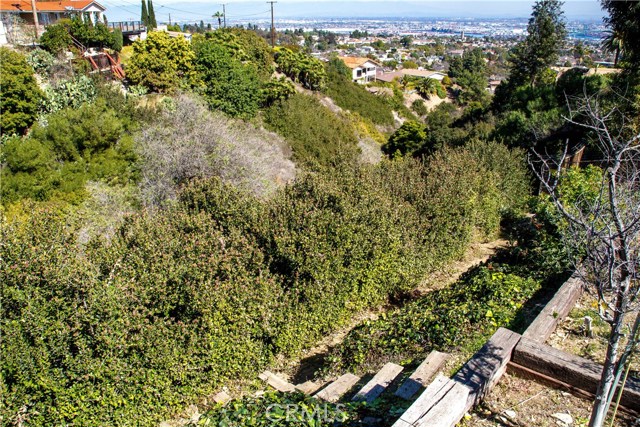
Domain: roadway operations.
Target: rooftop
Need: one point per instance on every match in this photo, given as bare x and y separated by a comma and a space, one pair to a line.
47, 6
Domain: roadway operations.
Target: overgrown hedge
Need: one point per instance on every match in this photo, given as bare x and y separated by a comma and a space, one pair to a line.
131, 330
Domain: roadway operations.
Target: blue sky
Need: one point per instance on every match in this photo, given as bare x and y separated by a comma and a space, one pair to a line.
196, 10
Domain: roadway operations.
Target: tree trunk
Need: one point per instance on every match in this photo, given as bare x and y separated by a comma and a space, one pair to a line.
600, 405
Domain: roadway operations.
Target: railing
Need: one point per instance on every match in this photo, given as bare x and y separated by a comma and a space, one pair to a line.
128, 26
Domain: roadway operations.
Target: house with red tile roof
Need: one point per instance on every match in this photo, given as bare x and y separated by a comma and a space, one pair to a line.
49, 12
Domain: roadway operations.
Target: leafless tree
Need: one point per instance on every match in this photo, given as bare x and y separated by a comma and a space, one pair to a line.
602, 232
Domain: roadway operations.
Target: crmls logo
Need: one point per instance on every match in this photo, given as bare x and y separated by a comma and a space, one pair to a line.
303, 414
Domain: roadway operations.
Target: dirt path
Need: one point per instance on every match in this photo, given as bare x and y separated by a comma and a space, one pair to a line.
303, 368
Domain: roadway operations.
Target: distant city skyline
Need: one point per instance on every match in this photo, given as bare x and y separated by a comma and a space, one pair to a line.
242, 11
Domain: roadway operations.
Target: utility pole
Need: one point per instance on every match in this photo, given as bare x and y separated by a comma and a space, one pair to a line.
35, 16
169, 19
273, 28
224, 15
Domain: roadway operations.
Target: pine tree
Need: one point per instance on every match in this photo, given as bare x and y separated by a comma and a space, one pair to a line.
152, 15
145, 14
546, 34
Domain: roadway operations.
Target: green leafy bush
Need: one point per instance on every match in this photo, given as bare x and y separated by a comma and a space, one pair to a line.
41, 61
56, 39
57, 158
69, 93
161, 63
301, 68
316, 135
409, 138
353, 97
118, 40
229, 85
419, 108
245, 46
482, 300
276, 90
19, 93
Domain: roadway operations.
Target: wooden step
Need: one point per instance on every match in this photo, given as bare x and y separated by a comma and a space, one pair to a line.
276, 382
437, 406
308, 387
334, 391
423, 375
379, 383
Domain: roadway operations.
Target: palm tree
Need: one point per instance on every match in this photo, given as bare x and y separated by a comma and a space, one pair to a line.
427, 87
219, 15
613, 43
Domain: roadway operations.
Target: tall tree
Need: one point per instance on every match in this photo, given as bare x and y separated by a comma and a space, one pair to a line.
218, 15
152, 16
613, 43
546, 33
624, 21
144, 14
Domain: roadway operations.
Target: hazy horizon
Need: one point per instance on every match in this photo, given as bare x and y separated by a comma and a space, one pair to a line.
243, 11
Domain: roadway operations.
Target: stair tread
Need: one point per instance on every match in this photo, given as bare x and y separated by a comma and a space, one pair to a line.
379, 383
334, 391
276, 382
422, 375
308, 387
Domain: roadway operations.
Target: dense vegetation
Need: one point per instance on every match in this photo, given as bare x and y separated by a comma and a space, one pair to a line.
180, 301
322, 140
354, 97
156, 246
463, 316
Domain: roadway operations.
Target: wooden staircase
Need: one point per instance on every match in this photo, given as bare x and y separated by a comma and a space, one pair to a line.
342, 389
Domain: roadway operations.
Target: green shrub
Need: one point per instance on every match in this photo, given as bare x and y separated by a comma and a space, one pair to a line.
161, 63
469, 311
245, 46
41, 61
19, 93
118, 40
409, 138
317, 136
69, 93
419, 108
230, 86
57, 159
353, 97
56, 39
301, 68
276, 90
